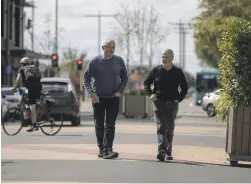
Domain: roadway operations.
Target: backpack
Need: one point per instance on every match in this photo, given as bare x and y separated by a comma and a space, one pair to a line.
31, 72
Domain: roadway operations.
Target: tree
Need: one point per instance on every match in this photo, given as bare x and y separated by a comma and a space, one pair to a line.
69, 65
207, 26
69, 57
235, 65
138, 26
124, 31
47, 33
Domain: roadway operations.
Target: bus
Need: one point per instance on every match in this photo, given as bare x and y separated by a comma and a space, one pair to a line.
206, 81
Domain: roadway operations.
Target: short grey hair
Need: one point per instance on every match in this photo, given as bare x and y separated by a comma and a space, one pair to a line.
107, 41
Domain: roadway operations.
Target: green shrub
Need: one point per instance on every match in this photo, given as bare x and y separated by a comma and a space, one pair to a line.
235, 65
222, 105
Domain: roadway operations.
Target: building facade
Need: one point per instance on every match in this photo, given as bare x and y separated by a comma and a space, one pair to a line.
13, 25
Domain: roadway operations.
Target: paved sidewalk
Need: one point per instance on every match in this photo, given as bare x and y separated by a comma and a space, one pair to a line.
76, 151
86, 107
71, 156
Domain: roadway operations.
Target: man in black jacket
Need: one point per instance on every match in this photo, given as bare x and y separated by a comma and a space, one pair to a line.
166, 97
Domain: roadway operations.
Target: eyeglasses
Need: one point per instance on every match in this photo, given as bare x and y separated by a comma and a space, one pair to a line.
164, 57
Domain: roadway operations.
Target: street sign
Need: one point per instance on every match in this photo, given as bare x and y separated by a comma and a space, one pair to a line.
42, 67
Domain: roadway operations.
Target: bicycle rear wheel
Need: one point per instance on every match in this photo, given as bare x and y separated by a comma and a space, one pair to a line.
12, 121
49, 126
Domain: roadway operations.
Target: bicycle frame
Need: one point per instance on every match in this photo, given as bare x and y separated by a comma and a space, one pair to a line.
42, 107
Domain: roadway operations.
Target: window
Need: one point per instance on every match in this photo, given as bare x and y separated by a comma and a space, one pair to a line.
2, 18
205, 82
8, 92
11, 21
54, 87
17, 26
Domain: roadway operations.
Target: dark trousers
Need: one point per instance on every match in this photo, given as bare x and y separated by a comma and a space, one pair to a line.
105, 115
165, 115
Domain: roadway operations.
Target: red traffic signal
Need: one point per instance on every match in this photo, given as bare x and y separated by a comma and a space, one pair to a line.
54, 59
79, 64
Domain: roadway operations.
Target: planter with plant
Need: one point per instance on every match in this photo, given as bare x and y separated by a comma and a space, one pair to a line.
135, 104
234, 103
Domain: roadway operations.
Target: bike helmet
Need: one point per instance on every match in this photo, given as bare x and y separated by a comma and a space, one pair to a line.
25, 60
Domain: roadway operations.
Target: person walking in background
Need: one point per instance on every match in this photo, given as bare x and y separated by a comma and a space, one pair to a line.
166, 97
110, 79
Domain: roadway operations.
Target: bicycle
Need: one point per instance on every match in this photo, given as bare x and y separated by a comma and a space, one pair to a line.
43, 109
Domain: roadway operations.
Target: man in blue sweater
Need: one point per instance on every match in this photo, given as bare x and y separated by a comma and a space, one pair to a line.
110, 79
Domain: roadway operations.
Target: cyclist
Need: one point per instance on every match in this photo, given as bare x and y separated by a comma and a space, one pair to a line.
30, 76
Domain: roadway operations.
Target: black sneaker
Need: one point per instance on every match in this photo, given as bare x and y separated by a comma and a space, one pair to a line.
101, 154
169, 156
161, 156
35, 128
110, 154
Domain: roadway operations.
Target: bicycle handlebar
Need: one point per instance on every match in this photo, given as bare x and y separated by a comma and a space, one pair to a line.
21, 91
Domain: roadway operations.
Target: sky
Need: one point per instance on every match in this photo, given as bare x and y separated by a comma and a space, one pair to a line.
82, 32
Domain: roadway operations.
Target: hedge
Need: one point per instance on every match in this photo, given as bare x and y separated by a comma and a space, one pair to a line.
235, 65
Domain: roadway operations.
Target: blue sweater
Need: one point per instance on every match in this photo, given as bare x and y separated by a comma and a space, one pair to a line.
110, 76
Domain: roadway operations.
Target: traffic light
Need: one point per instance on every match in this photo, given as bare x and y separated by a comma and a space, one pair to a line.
79, 64
54, 60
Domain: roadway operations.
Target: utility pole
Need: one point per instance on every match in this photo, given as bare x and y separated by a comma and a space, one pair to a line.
183, 27
99, 16
56, 27
8, 17
56, 70
32, 25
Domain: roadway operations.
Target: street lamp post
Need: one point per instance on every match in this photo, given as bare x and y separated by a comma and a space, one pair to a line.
99, 16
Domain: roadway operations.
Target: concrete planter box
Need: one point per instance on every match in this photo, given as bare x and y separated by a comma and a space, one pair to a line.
238, 138
135, 106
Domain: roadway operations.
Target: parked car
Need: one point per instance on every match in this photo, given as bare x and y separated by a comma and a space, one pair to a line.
4, 105
66, 99
9, 99
208, 102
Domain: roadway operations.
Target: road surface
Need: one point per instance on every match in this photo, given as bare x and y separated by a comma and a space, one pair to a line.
71, 156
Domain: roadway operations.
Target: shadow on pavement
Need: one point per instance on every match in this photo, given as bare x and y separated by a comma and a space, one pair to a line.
187, 162
82, 125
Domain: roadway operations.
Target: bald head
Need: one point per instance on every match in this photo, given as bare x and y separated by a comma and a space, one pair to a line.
168, 56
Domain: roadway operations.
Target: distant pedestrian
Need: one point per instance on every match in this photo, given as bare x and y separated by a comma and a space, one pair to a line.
166, 79
110, 79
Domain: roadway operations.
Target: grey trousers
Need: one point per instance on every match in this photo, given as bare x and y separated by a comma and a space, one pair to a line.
165, 114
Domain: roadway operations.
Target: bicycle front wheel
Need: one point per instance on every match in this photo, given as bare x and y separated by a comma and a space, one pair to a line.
51, 125
12, 121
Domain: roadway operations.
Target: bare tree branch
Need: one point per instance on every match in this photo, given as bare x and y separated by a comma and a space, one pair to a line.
138, 32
